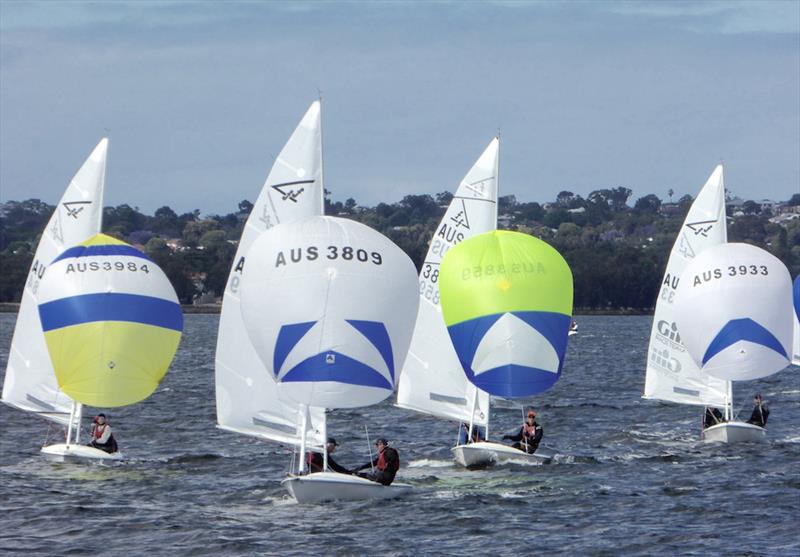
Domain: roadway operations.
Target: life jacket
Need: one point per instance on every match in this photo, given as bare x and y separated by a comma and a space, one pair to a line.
98, 431
381, 461
529, 431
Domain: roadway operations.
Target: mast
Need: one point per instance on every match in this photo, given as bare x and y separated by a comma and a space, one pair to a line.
79, 418
71, 422
321, 156
303, 425
325, 445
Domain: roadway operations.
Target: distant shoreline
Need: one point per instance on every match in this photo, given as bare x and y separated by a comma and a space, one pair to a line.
217, 308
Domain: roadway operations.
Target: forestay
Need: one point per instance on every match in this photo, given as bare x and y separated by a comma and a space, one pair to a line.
735, 312
30, 383
432, 380
507, 302
248, 401
111, 322
330, 306
672, 374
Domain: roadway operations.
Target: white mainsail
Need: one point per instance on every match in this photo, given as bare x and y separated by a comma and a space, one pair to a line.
432, 380
248, 400
30, 382
672, 375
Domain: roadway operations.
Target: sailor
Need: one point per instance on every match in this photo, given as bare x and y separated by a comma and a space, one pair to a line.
712, 417
102, 438
760, 412
529, 436
316, 462
477, 434
384, 466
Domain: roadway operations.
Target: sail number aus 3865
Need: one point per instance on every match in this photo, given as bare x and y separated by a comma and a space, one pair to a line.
312, 253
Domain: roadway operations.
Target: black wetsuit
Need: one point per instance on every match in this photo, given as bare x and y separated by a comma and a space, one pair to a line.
525, 442
385, 466
759, 415
316, 462
712, 417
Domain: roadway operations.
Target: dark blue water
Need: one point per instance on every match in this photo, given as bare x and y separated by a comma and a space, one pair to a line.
631, 477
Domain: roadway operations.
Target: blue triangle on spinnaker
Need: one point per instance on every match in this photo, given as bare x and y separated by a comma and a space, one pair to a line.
288, 337
376, 333
742, 329
796, 295
333, 366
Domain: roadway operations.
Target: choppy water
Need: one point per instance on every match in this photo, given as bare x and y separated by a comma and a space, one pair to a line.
631, 477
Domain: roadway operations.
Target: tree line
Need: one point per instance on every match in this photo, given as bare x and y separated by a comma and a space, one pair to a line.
617, 252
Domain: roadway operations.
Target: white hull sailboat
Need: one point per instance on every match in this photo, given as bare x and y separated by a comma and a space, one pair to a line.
486, 453
63, 452
734, 432
30, 381
672, 375
433, 381
319, 487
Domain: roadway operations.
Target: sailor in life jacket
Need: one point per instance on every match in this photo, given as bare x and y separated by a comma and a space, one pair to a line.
529, 436
101, 435
316, 462
384, 466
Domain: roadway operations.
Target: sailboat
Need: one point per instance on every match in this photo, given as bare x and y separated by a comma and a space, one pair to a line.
796, 342
507, 303
734, 312
247, 397
672, 375
329, 306
432, 380
112, 324
30, 382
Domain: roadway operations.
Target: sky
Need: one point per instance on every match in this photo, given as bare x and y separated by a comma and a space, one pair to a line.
197, 98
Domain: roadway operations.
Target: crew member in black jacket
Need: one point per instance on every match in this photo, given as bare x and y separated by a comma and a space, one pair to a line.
529, 436
760, 412
316, 462
384, 466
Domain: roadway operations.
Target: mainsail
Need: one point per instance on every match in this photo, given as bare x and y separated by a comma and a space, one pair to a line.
734, 309
672, 375
30, 383
432, 380
248, 400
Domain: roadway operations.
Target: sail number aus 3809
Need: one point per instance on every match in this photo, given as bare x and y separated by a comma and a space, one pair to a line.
312, 253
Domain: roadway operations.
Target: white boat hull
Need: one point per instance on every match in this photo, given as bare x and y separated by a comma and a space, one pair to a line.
485, 453
62, 452
332, 486
734, 432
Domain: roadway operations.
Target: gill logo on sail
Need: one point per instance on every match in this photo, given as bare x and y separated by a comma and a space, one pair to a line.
288, 193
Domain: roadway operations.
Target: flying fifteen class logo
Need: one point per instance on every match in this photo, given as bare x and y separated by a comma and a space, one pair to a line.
290, 193
701, 228
461, 218
74, 208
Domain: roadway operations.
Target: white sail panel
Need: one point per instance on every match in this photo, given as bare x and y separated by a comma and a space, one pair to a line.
734, 311
432, 380
330, 305
30, 383
672, 374
248, 401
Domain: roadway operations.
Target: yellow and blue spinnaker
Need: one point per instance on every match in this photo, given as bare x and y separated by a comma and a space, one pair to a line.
111, 321
506, 300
